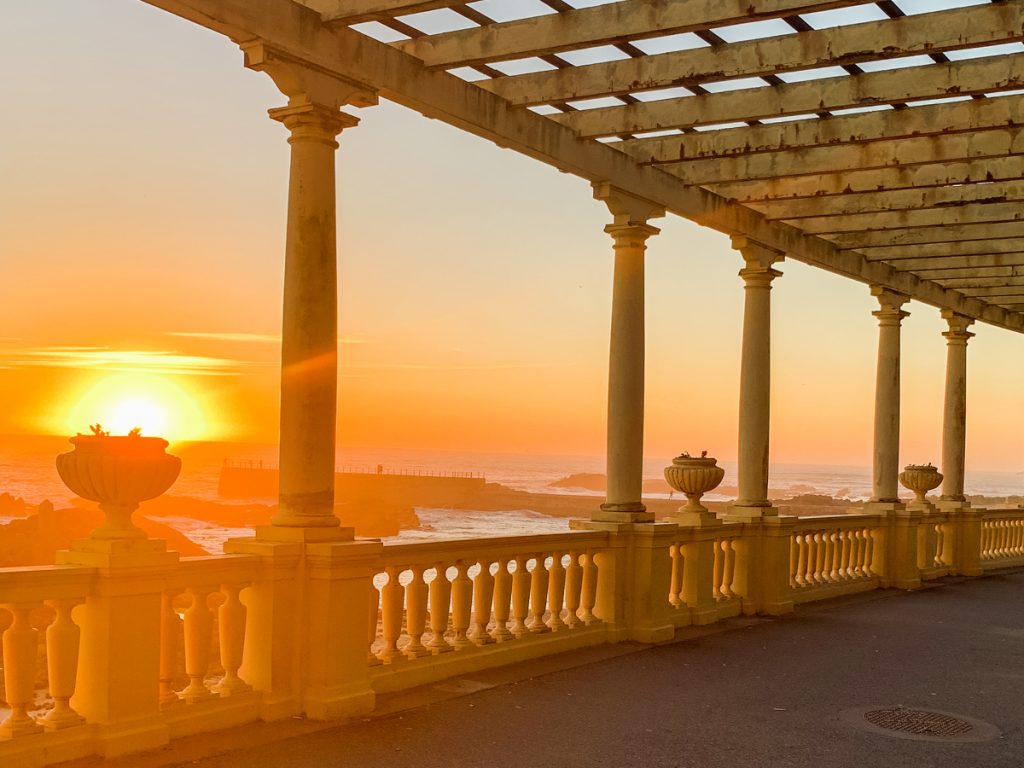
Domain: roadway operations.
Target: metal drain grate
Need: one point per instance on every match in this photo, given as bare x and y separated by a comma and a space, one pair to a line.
919, 722
901, 722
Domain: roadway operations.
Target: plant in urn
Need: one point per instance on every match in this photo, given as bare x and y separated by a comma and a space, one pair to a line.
119, 472
694, 476
920, 478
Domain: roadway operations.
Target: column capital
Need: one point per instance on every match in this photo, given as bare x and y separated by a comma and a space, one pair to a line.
627, 209
631, 235
759, 259
297, 79
311, 121
958, 324
890, 303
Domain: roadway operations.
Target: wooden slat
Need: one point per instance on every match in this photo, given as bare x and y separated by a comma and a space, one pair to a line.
974, 271
977, 281
918, 235
947, 30
981, 261
929, 217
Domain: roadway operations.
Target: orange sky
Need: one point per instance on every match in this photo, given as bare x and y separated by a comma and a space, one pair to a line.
142, 201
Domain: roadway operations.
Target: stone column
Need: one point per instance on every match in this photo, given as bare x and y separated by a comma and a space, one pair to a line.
755, 380
887, 396
630, 231
309, 344
954, 416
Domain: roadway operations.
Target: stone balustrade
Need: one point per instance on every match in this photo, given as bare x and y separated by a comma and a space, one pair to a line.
1002, 539
832, 556
218, 637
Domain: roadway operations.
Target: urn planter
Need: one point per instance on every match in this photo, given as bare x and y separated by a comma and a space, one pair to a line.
694, 476
920, 478
119, 472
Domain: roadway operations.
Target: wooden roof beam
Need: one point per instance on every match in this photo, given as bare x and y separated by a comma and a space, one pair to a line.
944, 30
920, 235
345, 12
977, 213
975, 249
1013, 270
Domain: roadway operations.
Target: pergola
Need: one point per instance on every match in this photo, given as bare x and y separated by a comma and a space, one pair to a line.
848, 135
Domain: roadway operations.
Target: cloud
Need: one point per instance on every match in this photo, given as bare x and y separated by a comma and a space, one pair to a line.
124, 360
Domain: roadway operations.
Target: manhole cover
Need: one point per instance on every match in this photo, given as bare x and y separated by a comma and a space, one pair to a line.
920, 724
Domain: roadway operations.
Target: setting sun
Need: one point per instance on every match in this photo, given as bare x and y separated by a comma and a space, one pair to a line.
120, 403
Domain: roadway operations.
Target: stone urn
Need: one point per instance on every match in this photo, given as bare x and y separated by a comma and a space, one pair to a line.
920, 478
694, 476
119, 472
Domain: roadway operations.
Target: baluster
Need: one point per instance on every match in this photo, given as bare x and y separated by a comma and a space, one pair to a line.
869, 553
502, 601
940, 537
556, 592
834, 551
392, 598
170, 636
440, 602
62, 638
801, 567
1018, 528
538, 596
462, 605
231, 627
728, 568
843, 554
573, 586
1002, 538
483, 596
675, 586
520, 597
718, 568
819, 559
373, 604
198, 633
416, 614
20, 644
588, 593
794, 556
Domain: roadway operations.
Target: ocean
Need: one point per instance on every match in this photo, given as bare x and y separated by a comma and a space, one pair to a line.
27, 471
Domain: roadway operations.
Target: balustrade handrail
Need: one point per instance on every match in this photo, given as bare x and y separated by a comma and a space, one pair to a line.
832, 522
1002, 514
460, 549
36, 583
217, 568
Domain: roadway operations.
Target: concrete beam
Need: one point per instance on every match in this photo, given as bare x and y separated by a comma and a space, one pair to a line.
855, 181
343, 53
600, 25
898, 200
894, 38
346, 12
928, 217
972, 249
1016, 270
1002, 142
920, 235
978, 281
939, 119
936, 81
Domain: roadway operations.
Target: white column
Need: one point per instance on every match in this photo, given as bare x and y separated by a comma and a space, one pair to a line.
755, 378
309, 344
887, 395
629, 231
954, 415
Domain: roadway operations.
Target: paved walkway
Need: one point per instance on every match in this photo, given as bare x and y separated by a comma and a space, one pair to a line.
766, 693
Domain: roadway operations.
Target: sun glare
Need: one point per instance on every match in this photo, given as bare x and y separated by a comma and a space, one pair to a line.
120, 403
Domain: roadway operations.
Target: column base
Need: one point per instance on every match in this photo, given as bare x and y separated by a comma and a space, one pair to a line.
304, 535
705, 519
880, 507
631, 512
742, 513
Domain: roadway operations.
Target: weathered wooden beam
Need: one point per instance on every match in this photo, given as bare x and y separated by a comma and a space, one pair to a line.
928, 217
600, 25
921, 235
945, 30
897, 200
924, 264
855, 181
356, 11
955, 78
977, 281
298, 33
994, 143
938, 119
1004, 292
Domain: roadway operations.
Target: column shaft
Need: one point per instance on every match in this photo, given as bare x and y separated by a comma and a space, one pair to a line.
309, 343
755, 374
954, 416
626, 371
886, 469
